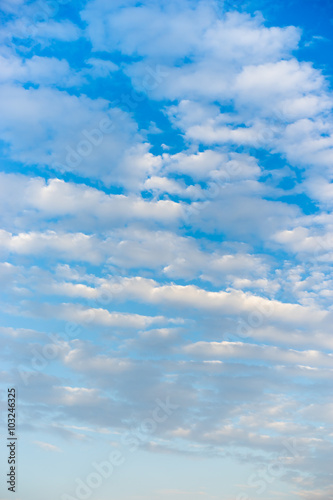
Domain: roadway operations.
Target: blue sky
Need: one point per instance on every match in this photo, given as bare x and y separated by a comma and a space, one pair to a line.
166, 245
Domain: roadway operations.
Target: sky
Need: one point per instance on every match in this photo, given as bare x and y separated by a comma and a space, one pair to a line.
166, 248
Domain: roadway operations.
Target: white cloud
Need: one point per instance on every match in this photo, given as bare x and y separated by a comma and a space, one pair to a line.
37, 70
88, 316
171, 31
75, 134
302, 240
100, 68
163, 252
39, 27
317, 494
191, 298
289, 85
81, 396
157, 341
268, 354
218, 56
73, 246
227, 244
79, 359
320, 189
233, 60
47, 446
212, 165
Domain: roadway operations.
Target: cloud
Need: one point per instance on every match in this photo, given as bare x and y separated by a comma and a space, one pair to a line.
293, 87
79, 359
11, 5
191, 298
211, 164
47, 446
79, 246
301, 240
38, 27
75, 134
240, 350
171, 33
100, 68
21, 333
35, 202
95, 316
37, 70
318, 494
80, 396
157, 341
211, 70
165, 200
255, 69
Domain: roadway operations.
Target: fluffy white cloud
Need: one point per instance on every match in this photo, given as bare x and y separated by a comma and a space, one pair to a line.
47, 446
11, 5
268, 354
212, 165
71, 246
191, 298
87, 316
318, 494
100, 68
196, 273
235, 59
288, 88
31, 202
77, 134
171, 33
302, 240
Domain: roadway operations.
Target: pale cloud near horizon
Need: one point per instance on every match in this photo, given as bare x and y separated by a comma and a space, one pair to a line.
166, 232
